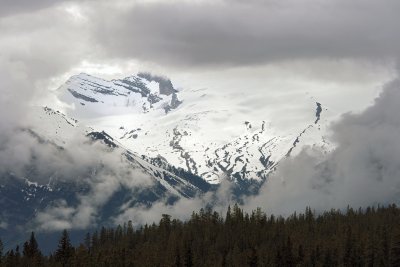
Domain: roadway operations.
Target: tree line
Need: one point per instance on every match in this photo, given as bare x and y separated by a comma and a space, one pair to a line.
363, 237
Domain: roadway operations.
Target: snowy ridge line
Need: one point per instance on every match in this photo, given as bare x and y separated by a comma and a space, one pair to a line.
204, 135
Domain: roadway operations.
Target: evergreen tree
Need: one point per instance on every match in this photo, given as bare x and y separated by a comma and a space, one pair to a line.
65, 250
228, 215
88, 242
31, 247
288, 253
300, 254
31, 253
279, 260
253, 259
95, 240
328, 260
1, 251
349, 247
395, 249
355, 238
188, 258
10, 259
372, 252
18, 256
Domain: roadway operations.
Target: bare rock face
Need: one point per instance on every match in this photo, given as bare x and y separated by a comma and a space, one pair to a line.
165, 84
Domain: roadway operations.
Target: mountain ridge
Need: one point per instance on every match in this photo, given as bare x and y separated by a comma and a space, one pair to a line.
187, 138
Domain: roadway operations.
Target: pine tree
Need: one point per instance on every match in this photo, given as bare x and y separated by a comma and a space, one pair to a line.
279, 260
1, 251
328, 260
385, 246
130, 234
290, 261
372, 252
228, 216
95, 240
17, 256
349, 246
82, 257
65, 250
188, 257
395, 249
253, 258
31, 247
300, 255
358, 238
10, 258
88, 242
31, 253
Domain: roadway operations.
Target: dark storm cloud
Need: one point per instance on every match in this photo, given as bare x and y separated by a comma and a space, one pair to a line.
250, 32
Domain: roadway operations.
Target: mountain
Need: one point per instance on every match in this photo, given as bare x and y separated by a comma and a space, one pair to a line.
36, 192
137, 141
94, 97
206, 134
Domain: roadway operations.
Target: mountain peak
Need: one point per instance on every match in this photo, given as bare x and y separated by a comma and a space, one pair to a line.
140, 93
165, 84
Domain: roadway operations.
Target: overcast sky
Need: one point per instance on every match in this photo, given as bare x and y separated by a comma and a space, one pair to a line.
334, 49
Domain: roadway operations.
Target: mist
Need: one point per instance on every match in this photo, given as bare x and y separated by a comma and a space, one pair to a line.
363, 170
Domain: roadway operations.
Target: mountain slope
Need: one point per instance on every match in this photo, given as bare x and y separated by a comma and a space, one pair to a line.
207, 134
134, 94
140, 141
79, 178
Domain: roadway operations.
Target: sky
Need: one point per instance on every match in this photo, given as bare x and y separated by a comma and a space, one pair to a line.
343, 53
335, 49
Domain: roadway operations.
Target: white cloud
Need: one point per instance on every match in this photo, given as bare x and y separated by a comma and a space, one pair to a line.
363, 170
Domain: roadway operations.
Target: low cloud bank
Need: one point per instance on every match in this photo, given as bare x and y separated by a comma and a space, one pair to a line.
363, 170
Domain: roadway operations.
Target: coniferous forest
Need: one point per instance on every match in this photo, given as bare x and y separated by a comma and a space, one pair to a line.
369, 237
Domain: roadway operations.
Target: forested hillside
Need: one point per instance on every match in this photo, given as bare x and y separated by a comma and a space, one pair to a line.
369, 237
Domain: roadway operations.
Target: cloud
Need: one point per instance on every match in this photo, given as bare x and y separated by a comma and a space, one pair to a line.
48, 40
182, 209
94, 166
61, 215
91, 166
236, 33
3, 225
33, 53
13, 7
41, 40
363, 170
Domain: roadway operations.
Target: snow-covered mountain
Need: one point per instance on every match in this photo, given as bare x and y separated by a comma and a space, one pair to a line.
207, 134
59, 177
95, 97
140, 140
59, 130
